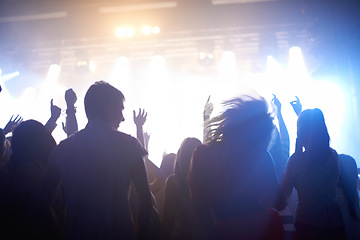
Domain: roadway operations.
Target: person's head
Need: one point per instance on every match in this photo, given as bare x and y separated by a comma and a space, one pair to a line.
311, 129
183, 156
167, 164
30, 142
246, 121
104, 102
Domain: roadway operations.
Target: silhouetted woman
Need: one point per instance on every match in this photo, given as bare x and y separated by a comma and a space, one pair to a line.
31, 184
314, 172
232, 178
180, 220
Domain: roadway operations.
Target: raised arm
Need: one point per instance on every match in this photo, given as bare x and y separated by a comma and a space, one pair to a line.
139, 121
284, 134
296, 106
71, 125
55, 114
10, 126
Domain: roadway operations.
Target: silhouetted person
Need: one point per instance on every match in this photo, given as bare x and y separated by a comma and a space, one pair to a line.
347, 196
97, 166
232, 178
30, 185
180, 220
314, 172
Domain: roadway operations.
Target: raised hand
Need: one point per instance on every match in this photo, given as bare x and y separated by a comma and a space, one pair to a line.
146, 140
70, 97
209, 107
277, 104
296, 106
10, 126
55, 110
140, 119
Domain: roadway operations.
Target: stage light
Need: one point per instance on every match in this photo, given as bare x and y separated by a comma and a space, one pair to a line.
53, 73
202, 55
123, 32
146, 30
296, 63
9, 76
92, 66
120, 74
155, 30
227, 67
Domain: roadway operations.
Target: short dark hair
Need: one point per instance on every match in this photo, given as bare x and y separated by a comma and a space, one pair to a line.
99, 97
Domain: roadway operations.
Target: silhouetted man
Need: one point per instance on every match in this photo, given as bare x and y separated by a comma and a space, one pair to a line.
97, 166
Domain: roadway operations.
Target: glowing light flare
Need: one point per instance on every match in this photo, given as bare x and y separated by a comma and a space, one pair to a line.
124, 32
228, 67
276, 77
92, 66
120, 74
146, 30
155, 30
296, 66
7, 77
53, 73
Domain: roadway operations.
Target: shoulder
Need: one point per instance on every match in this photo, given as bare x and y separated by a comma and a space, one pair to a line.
295, 161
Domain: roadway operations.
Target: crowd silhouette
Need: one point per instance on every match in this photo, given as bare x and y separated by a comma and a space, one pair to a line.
239, 182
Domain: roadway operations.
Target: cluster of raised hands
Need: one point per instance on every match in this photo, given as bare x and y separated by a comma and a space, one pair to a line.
69, 127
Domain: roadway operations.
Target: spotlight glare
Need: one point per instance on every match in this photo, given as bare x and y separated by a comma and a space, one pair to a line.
202, 55
211, 56
155, 30
54, 68
0, 71
92, 66
130, 32
146, 30
120, 32
123, 32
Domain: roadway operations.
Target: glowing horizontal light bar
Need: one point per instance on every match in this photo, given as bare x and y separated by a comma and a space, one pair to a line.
137, 7
34, 17
218, 2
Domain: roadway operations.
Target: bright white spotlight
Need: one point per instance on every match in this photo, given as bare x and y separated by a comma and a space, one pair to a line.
123, 32
202, 55
228, 67
0, 71
155, 30
9, 76
53, 73
130, 32
296, 63
146, 30
210, 56
92, 66
158, 61
120, 74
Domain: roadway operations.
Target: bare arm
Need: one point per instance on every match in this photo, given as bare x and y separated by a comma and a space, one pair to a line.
71, 125
55, 114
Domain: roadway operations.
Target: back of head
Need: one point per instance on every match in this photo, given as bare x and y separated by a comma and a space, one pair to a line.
100, 99
183, 156
167, 164
312, 130
31, 142
245, 121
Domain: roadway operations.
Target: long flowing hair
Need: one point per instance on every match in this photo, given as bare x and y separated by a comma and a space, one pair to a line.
246, 120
